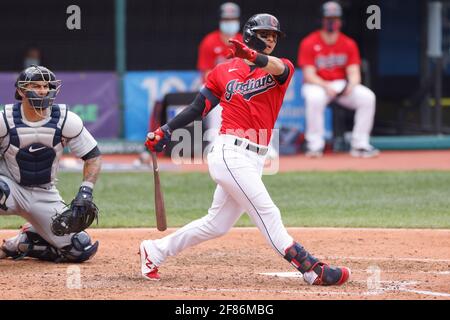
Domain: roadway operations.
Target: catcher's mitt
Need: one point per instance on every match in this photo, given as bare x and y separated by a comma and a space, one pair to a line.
78, 216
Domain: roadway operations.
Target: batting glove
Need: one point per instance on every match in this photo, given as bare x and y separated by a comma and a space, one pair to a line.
158, 139
240, 50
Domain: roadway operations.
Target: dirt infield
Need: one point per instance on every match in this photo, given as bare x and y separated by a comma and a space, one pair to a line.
386, 264
386, 161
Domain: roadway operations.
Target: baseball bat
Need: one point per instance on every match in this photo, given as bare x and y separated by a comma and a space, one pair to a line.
160, 210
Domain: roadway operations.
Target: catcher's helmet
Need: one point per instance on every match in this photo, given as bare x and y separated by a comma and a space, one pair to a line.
331, 9
260, 21
37, 73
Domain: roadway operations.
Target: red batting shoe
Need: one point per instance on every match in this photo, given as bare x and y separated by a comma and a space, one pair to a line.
323, 275
148, 269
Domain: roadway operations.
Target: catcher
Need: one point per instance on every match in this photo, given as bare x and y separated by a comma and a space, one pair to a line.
33, 134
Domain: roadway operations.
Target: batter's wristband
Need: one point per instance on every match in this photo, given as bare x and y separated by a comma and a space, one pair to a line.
261, 60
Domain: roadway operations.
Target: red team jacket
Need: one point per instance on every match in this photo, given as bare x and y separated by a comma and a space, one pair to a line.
251, 100
212, 50
329, 60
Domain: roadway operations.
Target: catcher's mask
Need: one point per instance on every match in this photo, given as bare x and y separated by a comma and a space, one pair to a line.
260, 21
36, 75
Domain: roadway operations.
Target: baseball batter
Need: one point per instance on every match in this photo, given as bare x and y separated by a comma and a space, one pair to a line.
33, 134
331, 67
251, 88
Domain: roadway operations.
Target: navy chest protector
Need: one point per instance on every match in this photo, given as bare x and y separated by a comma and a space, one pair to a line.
32, 151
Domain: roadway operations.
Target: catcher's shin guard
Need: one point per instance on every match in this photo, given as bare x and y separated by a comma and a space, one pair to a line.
28, 243
4, 194
315, 272
81, 248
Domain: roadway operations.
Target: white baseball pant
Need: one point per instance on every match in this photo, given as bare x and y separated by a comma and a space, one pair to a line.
237, 172
361, 99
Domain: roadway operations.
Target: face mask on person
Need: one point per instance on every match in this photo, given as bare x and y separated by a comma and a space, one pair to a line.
230, 28
331, 25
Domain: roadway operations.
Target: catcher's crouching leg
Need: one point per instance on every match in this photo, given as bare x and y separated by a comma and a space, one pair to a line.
315, 272
28, 243
81, 248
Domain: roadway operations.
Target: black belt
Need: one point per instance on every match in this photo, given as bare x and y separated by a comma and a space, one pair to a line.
259, 150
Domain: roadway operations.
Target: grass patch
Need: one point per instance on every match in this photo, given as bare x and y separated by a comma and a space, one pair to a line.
341, 199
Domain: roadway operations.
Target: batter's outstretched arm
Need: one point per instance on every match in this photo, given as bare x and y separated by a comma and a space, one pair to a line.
202, 104
274, 66
204, 101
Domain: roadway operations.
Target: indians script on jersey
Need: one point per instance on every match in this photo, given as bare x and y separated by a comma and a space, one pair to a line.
249, 88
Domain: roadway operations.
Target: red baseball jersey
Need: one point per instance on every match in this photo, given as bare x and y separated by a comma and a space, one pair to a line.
251, 99
213, 50
329, 60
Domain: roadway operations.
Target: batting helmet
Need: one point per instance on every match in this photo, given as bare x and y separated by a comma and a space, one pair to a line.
260, 21
331, 9
36, 73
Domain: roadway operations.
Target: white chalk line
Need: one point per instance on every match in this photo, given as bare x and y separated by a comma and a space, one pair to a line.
392, 287
389, 286
402, 287
439, 273
299, 275
428, 293
386, 259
